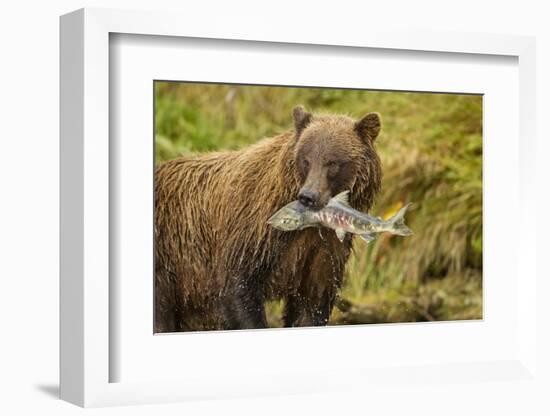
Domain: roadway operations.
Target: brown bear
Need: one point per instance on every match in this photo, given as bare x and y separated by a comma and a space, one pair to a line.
218, 261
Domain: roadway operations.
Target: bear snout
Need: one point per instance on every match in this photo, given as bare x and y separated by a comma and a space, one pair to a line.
309, 198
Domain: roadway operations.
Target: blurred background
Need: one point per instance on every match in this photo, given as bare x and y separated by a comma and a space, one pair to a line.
431, 151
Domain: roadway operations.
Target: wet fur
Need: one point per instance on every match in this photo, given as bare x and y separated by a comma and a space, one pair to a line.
218, 261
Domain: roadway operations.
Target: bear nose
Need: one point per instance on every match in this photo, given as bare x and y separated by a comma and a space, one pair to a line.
308, 197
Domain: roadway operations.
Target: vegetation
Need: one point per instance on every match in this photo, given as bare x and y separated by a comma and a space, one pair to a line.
431, 151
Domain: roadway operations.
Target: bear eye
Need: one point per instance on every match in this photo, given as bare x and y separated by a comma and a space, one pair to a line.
305, 164
333, 167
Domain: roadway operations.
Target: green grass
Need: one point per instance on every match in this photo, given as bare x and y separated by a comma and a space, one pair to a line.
431, 151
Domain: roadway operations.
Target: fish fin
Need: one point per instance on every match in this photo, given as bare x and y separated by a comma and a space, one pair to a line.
342, 197
397, 222
368, 237
341, 234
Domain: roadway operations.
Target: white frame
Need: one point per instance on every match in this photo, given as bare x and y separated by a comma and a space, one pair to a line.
135, 61
85, 191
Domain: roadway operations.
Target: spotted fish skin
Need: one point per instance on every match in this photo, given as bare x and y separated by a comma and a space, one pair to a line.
343, 218
339, 216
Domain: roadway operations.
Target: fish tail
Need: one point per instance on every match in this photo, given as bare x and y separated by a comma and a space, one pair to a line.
397, 223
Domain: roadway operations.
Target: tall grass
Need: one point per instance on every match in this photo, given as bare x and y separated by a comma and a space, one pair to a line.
431, 152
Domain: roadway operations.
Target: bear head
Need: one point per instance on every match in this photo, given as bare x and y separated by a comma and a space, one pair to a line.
332, 153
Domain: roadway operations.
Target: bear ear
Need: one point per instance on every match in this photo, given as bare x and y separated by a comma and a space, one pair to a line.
301, 119
368, 127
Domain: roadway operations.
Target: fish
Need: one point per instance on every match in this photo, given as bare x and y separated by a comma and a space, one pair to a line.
339, 216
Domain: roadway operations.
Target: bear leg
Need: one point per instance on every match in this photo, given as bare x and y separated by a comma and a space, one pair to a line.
245, 308
299, 312
166, 311
312, 303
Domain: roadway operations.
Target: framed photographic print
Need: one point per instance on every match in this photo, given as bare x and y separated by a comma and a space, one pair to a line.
270, 213
289, 205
